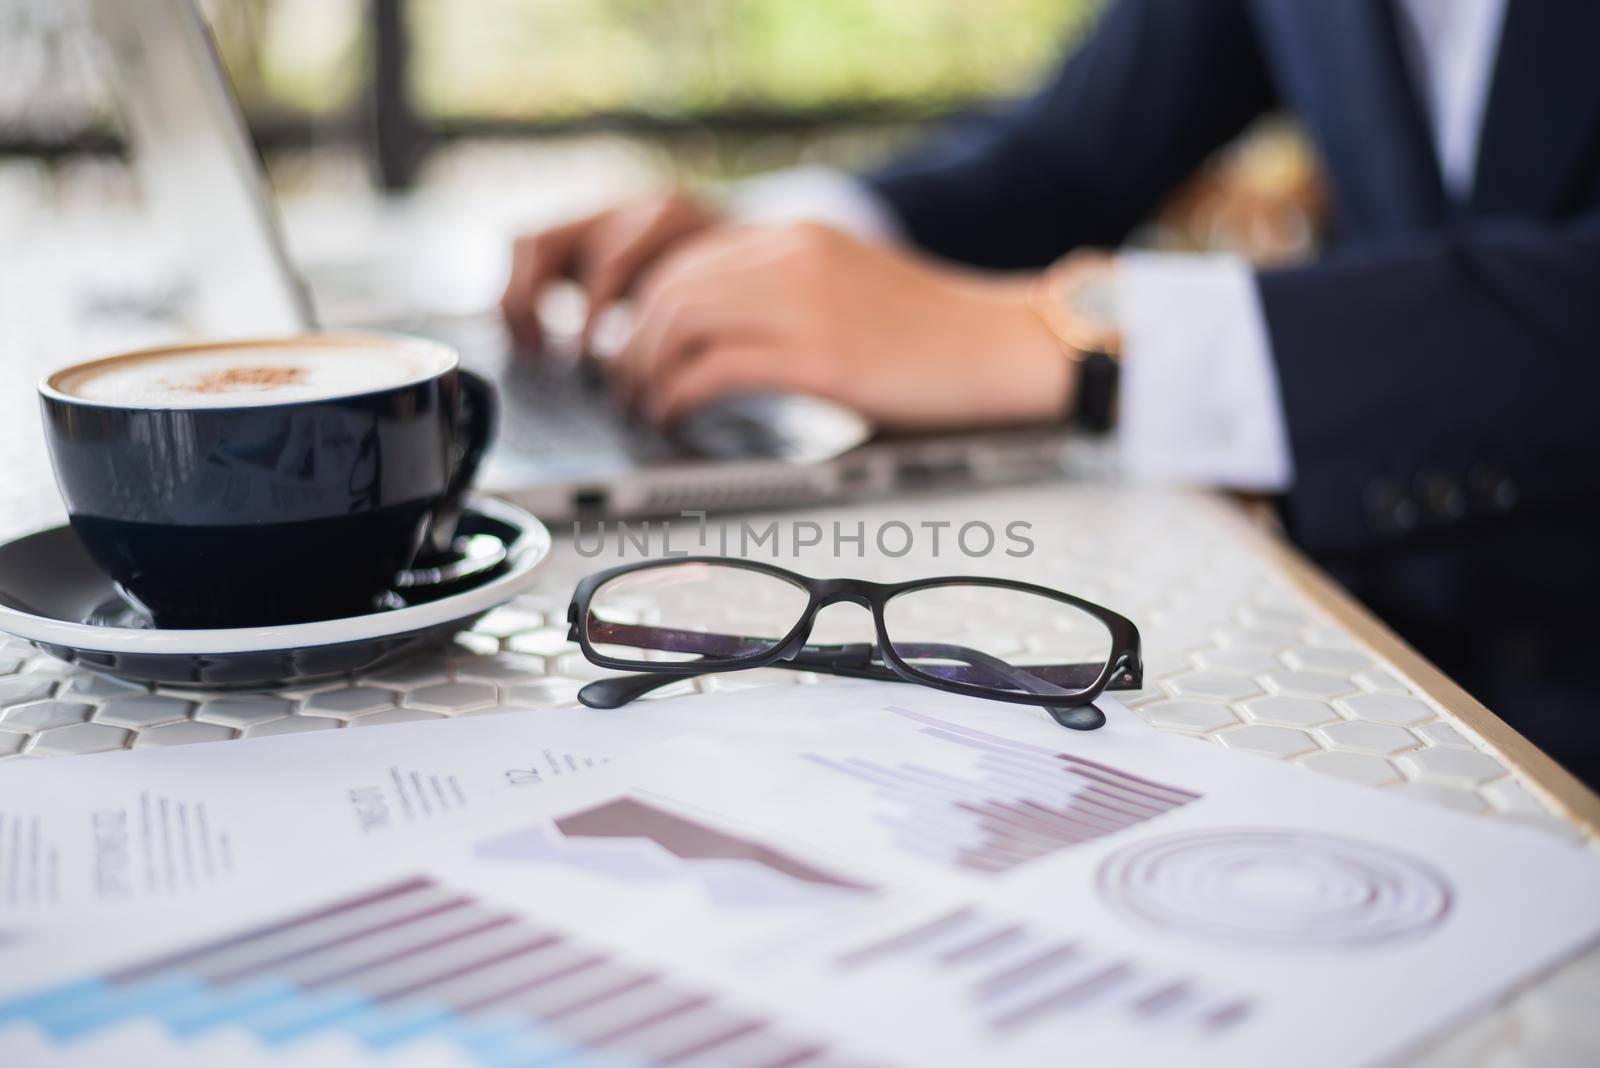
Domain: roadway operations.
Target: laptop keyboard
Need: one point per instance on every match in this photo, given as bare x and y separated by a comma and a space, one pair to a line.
549, 406
557, 419
558, 422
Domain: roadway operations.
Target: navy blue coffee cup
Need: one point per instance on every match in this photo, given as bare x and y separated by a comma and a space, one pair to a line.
243, 511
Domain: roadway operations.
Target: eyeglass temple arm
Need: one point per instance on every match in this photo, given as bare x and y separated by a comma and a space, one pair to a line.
1085, 717
624, 689
619, 690
1036, 678
855, 658
856, 661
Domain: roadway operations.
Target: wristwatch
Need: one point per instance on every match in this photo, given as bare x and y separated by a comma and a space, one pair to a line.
1076, 299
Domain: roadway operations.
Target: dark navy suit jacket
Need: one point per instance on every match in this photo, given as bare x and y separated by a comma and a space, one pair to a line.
1439, 367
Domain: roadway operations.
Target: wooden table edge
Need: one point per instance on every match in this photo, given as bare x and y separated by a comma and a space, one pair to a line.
1557, 786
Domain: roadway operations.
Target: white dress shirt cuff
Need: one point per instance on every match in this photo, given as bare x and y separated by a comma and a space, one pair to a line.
813, 194
1199, 400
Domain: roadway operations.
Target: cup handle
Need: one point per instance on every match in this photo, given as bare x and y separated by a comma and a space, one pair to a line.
475, 425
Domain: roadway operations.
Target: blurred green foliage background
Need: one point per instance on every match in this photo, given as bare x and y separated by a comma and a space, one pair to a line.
627, 93
555, 60
543, 59
726, 85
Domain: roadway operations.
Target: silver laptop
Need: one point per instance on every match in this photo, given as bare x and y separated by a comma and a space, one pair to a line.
563, 450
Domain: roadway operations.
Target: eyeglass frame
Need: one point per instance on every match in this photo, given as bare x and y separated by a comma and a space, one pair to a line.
1124, 665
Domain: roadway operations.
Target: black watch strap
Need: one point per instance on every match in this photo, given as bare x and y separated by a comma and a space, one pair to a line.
1097, 393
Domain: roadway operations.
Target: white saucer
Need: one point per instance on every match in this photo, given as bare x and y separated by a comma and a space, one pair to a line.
54, 596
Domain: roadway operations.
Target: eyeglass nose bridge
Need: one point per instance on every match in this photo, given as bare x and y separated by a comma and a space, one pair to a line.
836, 590
827, 592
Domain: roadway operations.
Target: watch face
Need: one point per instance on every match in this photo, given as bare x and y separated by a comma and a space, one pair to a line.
1095, 300
1091, 302
1077, 299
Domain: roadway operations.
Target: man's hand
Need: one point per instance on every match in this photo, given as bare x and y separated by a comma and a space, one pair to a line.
604, 253
910, 344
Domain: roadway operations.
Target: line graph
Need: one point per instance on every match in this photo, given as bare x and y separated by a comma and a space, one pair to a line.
632, 840
1019, 801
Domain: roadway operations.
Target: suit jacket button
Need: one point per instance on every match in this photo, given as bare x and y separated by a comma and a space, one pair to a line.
1445, 498
1390, 510
1492, 488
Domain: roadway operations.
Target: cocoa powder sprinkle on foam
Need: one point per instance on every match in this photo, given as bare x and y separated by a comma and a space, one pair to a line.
239, 378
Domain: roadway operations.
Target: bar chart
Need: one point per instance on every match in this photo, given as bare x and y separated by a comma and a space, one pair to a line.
416, 961
1013, 977
1018, 802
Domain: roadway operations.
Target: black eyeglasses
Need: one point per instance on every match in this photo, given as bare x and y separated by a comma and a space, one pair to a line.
983, 637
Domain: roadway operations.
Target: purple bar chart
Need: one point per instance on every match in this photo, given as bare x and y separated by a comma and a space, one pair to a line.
1018, 802
1013, 977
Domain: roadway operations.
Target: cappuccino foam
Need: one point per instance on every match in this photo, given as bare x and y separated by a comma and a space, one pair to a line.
249, 375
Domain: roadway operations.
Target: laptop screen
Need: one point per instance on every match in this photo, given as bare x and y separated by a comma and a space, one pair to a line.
199, 171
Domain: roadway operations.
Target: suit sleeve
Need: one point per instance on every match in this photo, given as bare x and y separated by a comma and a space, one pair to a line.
1158, 86
1454, 381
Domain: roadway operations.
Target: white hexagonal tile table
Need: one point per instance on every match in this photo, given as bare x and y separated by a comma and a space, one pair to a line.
94, 684
1355, 767
1289, 711
1389, 708
16, 689
1346, 662
1456, 767
1285, 743
1236, 661
290, 725
143, 710
497, 667
1190, 717
42, 715
1320, 685
352, 701
185, 732
1215, 685
79, 738
1236, 654
245, 710
394, 715
449, 697
1462, 800
1364, 737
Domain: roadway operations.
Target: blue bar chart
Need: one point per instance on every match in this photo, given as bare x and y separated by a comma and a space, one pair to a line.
412, 961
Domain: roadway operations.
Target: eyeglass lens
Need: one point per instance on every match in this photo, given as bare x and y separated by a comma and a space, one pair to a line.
692, 611
997, 638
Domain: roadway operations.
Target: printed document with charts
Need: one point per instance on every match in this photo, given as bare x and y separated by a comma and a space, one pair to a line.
98, 835
826, 875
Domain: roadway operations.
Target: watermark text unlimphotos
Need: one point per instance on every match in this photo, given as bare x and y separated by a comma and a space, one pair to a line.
778, 538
